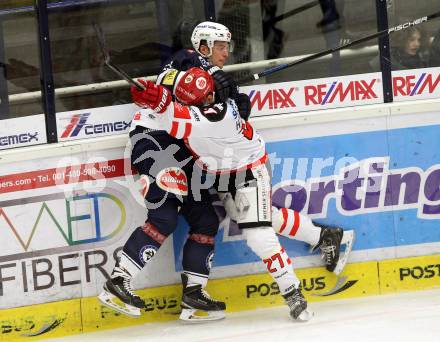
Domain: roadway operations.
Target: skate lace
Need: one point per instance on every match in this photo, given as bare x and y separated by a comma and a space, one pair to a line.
128, 287
295, 299
328, 253
206, 295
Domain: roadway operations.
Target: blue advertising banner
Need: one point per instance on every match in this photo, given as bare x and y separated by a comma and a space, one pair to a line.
383, 184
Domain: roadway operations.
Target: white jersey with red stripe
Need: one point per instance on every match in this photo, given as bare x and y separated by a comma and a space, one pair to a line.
147, 118
217, 136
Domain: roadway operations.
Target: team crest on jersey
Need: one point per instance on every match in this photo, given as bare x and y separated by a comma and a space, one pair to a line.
201, 83
147, 253
173, 180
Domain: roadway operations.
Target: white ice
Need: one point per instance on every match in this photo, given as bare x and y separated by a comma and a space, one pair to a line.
412, 317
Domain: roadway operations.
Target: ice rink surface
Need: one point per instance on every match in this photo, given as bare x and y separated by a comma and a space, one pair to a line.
404, 317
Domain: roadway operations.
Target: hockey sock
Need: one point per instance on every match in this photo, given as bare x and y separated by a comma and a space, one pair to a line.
265, 244
198, 253
294, 225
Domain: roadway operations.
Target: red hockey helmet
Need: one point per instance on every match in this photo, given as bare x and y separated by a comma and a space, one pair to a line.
194, 87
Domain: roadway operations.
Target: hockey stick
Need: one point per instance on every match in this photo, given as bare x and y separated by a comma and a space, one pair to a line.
293, 12
386, 32
108, 61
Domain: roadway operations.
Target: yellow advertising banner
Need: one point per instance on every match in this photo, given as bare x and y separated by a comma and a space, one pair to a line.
410, 274
163, 303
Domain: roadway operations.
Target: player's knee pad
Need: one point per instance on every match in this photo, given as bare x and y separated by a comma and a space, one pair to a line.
201, 217
165, 217
206, 226
262, 241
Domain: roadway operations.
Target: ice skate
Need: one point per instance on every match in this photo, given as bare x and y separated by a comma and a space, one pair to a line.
330, 243
298, 306
118, 295
197, 306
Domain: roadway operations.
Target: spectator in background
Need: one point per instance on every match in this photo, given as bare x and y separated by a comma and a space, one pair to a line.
409, 50
274, 35
330, 18
330, 25
434, 51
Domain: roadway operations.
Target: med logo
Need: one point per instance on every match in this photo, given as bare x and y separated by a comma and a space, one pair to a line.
82, 218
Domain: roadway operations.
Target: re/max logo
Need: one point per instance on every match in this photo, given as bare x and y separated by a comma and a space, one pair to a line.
322, 94
273, 99
411, 85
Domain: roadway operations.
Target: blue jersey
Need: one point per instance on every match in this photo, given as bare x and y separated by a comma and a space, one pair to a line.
185, 59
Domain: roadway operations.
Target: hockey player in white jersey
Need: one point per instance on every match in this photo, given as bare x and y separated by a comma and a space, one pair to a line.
210, 41
227, 147
285, 222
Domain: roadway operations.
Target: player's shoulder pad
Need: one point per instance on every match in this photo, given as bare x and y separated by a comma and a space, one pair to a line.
193, 59
215, 112
169, 78
182, 60
184, 53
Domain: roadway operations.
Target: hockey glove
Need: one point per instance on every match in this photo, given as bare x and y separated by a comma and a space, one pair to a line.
153, 96
225, 86
244, 105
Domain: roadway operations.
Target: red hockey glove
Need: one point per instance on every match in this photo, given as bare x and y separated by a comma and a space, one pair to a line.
154, 96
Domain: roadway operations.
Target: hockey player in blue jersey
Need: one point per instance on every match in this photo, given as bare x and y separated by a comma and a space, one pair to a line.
165, 167
212, 43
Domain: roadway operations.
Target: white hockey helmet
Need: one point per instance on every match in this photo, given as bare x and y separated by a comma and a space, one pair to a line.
210, 32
